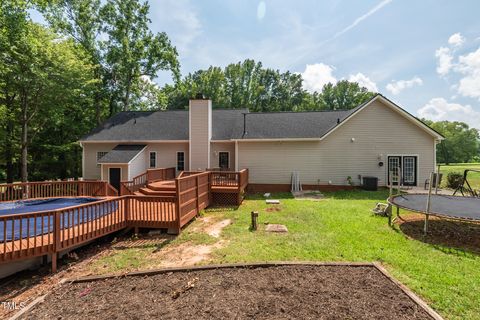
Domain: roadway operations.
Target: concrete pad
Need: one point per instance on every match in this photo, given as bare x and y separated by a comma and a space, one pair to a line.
276, 228
272, 201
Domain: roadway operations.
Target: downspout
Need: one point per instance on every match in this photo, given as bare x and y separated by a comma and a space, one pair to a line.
244, 125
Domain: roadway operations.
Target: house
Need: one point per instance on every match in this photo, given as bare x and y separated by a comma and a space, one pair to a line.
328, 149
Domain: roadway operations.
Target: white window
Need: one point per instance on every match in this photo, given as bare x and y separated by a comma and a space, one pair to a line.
100, 154
153, 159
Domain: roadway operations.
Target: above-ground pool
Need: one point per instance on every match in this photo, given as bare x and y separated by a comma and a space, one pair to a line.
31, 226
25, 206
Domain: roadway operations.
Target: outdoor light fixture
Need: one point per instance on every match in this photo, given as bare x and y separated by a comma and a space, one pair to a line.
353, 139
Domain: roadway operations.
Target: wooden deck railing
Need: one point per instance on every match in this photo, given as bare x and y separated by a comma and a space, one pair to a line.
35, 234
50, 189
141, 181
193, 195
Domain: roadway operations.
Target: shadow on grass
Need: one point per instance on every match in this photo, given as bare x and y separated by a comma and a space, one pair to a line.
358, 194
260, 196
446, 235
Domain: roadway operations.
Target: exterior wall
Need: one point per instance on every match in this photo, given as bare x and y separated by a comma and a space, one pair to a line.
200, 133
123, 167
378, 131
167, 154
90, 169
138, 165
216, 147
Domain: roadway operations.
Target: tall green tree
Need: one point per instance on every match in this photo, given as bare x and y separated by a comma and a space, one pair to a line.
461, 144
132, 51
248, 85
81, 20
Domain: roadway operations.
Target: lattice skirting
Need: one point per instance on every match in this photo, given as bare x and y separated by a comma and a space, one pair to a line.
225, 199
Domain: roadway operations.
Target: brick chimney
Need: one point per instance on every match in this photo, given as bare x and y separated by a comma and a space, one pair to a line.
200, 131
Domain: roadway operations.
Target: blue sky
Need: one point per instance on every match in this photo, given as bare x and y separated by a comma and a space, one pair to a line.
424, 55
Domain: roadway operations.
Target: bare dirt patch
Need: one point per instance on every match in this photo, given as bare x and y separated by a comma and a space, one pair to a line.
273, 209
185, 254
215, 229
280, 292
308, 195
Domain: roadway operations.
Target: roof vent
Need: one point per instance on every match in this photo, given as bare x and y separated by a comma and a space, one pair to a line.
338, 120
134, 118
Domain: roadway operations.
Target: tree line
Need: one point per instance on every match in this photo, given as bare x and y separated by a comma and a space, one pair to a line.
96, 58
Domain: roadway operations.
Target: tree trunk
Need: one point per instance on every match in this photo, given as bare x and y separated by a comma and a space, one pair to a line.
9, 152
24, 141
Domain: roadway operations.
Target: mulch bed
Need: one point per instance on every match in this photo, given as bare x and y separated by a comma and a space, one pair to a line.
275, 292
447, 233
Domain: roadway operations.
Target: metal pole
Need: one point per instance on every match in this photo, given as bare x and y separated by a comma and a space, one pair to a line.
427, 209
436, 179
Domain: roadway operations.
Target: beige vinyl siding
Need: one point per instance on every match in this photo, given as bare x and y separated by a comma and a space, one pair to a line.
167, 154
90, 169
123, 167
138, 165
217, 147
378, 131
200, 133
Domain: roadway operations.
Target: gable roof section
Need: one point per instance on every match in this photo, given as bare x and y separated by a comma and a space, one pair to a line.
228, 124
387, 102
123, 153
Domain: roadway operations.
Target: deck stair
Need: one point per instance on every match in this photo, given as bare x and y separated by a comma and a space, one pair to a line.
165, 188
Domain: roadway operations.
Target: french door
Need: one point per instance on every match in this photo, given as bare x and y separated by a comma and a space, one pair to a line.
404, 167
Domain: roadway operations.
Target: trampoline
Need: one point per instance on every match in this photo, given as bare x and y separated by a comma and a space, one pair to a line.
443, 206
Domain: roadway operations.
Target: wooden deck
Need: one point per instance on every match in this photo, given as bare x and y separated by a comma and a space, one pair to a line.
30, 235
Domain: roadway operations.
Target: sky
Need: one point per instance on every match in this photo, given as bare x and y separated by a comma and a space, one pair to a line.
423, 55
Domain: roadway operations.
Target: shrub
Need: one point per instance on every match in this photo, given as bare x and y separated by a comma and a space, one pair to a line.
454, 180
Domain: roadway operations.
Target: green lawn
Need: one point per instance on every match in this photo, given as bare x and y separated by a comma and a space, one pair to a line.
473, 177
341, 228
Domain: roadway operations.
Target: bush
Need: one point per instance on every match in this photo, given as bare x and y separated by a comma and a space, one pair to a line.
454, 180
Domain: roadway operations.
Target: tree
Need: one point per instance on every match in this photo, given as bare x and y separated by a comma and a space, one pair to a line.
343, 95
461, 144
132, 51
80, 20
248, 85
41, 72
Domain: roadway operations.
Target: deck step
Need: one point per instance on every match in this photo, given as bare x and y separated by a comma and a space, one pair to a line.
150, 192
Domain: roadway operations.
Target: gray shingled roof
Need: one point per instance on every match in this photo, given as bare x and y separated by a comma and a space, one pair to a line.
123, 153
227, 124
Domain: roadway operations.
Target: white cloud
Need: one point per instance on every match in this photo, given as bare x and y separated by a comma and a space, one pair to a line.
439, 109
179, 20
456, 40
363, 81
316, 76
261, 10
398, 86
469, 65
362, 17
444, 60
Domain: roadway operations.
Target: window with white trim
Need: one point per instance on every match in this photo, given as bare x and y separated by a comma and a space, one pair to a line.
153, 159
180, 161
100, 154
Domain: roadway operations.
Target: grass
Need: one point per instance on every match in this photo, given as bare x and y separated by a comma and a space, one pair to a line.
473, 177
342, 228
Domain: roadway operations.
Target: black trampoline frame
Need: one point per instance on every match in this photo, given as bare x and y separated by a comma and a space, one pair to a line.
435, 214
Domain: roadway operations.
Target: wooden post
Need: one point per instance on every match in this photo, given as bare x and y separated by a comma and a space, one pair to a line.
196, 195
56, 240
177, 206
126, 209
254, 220
427, 209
